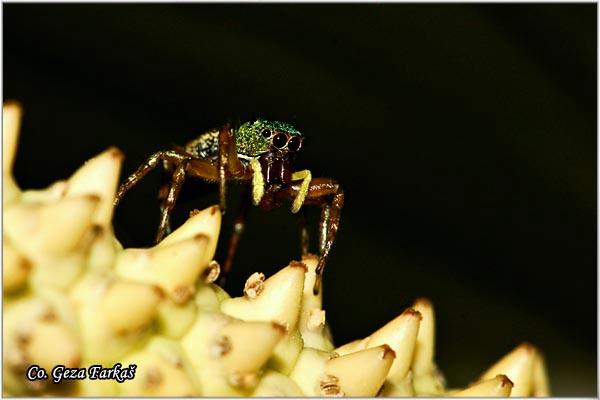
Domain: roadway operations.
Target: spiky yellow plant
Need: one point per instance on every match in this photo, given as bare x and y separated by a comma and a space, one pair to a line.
73, 297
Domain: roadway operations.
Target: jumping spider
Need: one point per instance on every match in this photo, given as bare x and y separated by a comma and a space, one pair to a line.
260, 153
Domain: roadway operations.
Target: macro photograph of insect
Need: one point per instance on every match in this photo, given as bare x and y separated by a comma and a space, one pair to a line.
299, 200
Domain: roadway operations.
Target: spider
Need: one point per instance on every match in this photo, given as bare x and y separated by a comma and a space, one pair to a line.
259, 154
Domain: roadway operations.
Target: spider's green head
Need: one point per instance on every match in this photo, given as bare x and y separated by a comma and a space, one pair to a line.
259, 137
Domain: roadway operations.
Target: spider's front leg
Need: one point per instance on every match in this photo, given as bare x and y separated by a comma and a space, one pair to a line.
180, 160
174, 156
228, 163
329, 195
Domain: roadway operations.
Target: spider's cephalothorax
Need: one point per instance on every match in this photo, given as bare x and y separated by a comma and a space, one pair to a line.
260, 153
274, 144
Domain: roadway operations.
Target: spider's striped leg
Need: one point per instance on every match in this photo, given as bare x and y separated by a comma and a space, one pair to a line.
228, 163
169, 201
329, 194
162, 195
324, 226
173, 156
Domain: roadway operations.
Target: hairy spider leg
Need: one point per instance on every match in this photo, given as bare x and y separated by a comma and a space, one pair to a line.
323, 226
169, 201
328, 193
174, 156
163, 192
228, 163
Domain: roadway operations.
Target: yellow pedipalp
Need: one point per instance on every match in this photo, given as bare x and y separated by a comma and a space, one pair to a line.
305, 176
258, 182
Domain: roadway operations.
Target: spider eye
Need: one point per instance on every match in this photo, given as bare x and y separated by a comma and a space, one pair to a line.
280, 140
266, 133
295, 143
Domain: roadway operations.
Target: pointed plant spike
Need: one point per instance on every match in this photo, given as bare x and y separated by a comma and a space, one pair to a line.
106, 333
312, 316
244, 347
278, 301
286, 352
129, 306
175, 268
56, 227
518, 367
11, 191
207, 297
499, 386
541, 383
15, 268
206, 222
103, 251
162, 370
401, 335
52, 343
174, 319
11, 125
309, 370
361, 373
99, 177
34, 333
424, 348
199, 341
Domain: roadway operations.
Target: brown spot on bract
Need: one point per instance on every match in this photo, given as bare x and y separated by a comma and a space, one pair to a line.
25, 264
48, 316
93, 197
316, 319
506, 381
178, 363
200, 237
528, 347
194, 212
214, 209
387, 352
22, 339
298, 264
278, 327
242, 379
181, 294
412, 312
114, 152
74, 363
153, 378
220, 347
159, 291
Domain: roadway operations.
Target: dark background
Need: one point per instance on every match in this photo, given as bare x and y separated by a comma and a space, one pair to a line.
464, 136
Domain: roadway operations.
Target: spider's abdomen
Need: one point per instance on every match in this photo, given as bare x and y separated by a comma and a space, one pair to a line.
205, 146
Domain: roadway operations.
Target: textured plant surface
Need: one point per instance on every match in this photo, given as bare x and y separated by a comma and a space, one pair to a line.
74, 297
